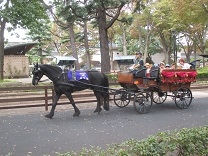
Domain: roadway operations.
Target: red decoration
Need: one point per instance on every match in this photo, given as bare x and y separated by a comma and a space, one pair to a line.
181, 74
178, 76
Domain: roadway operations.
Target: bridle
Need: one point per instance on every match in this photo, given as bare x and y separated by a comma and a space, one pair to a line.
37, 69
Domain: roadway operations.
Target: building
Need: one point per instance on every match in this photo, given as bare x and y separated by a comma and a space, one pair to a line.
16, 64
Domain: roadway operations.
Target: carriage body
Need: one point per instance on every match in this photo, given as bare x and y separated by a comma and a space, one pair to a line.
170, 82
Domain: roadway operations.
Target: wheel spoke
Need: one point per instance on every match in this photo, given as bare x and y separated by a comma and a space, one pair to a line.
183, 98
159, 99
122, 98
142, 102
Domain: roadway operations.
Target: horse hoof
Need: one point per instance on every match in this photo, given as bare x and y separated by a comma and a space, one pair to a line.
97, 110
106, 108
76, 114
48, 116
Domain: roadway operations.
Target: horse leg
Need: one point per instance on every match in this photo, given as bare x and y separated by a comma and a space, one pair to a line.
106, 101
77, 111
55, 100
99, 102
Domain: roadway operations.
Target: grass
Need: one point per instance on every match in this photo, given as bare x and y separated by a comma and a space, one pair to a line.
6, 80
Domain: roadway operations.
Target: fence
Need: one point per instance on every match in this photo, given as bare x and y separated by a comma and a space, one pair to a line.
37, 96
42, 96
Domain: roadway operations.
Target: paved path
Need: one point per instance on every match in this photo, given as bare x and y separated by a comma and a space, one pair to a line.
29, 79
32, 134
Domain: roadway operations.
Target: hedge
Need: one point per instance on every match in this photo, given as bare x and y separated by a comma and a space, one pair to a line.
202, 73
186, 142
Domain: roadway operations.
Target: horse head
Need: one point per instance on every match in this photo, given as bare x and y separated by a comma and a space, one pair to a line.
37, 74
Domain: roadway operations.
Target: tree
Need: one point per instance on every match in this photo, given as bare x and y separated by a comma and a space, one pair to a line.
42, 36
193, 17
105, 14
163, 23
19, 13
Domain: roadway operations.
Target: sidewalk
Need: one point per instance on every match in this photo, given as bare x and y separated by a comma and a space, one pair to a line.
29, 80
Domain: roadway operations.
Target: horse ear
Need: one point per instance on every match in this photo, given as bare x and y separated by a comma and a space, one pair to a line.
36, 65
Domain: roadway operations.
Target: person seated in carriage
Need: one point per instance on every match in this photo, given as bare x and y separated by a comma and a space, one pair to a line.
147, 65
167, 66
173, 66
183, 64
162, 66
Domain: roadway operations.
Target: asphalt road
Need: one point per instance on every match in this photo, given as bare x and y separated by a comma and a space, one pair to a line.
31, 134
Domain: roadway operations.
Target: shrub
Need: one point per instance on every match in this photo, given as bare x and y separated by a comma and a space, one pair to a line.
112, 77
185, 142
202, 72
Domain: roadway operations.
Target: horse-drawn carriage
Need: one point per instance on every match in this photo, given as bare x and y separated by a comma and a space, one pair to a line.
144, 91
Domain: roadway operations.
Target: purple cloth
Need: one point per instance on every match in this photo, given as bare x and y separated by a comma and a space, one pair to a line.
79, 75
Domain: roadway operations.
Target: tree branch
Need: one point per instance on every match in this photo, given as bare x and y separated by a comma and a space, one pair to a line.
115, 17
56, 19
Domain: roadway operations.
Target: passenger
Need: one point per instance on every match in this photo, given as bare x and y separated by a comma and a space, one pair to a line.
173, 66
167, 66
183, 64
162, 66
147, 65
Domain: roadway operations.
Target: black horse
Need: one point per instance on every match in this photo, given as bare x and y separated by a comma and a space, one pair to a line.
96, 81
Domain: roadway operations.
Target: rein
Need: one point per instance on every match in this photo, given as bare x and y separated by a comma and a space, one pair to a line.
57, 78
73, 84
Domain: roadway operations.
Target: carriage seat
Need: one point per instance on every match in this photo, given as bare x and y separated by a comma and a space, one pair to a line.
154, 74
140, 73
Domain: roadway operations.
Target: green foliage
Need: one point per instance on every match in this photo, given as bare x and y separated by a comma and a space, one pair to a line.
185, 142
202, 72
112, 77
23, 13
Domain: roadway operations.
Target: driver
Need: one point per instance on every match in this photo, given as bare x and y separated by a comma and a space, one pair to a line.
138, 62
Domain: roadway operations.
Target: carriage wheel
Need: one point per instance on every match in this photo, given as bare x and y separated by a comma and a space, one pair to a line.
122, 98
142, 102
159, 99
183, 97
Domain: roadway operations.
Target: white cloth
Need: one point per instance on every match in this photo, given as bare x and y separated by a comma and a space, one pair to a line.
186, 66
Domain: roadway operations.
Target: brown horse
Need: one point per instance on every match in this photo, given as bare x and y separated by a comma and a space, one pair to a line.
95, 81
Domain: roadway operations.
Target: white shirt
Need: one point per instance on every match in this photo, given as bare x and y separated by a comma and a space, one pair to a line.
186, 66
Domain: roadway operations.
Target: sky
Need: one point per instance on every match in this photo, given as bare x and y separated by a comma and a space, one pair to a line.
11, 37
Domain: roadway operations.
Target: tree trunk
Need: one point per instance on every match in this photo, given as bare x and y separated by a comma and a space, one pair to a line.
124, 41
73, 45
165, 47
104, 48
2, 28
40, 51
147, 38
140, 37
111, 54
87, 46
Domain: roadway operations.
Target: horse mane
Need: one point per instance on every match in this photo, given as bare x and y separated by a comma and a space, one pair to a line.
50, 69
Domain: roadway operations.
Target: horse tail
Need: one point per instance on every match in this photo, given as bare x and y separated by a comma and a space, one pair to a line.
105, 95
